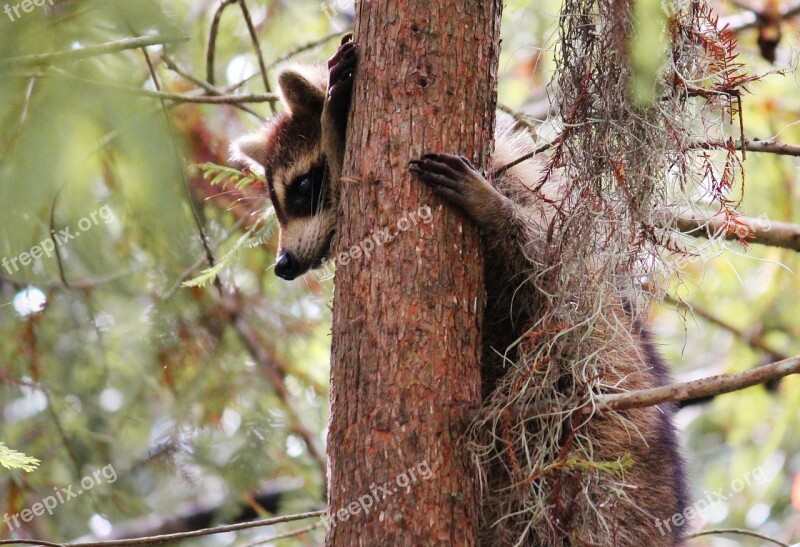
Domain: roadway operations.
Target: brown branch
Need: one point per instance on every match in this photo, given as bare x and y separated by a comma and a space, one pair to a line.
753, 340
212, 40
30, 542
92, 51
293, 533
739, 532
178, 98
200, 99
204, 99
257, 46
769, 146
210, 89
751, 230
288, 55
154, 540
196, 215
521, 118
254, 347
543, 148
205, 512
714, 385
749, 19
76, 285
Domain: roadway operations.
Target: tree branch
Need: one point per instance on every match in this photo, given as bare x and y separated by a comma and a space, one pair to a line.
749, 19
92, 51
715, 385
739, 532
257, 46
752, 230
178, 98
770, 146
293, 533
288, 55
154, 540
753, 340
253, 345
212, 40
204, 513
210, 89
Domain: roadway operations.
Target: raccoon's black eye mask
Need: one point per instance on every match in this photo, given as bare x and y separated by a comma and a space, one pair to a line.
305, 193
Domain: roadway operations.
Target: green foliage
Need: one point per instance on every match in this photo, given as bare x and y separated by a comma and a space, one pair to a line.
251, 238
220, 174
11, 459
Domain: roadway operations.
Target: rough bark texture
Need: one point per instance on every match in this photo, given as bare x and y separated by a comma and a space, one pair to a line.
405, 373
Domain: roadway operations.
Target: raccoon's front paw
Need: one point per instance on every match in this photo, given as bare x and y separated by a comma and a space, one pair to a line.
457, 180
341, 68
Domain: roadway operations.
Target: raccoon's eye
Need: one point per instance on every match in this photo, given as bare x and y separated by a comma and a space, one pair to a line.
304, 187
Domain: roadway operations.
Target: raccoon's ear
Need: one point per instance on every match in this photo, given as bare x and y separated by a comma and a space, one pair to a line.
251, 150
303, 91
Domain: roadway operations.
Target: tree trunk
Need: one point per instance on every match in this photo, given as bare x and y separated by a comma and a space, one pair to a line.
405, 372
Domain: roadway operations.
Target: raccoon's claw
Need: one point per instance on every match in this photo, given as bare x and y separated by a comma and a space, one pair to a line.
457, 180
341, 68
448, 175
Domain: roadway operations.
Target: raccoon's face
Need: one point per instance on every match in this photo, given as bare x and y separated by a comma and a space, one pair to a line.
289, 153
303, 205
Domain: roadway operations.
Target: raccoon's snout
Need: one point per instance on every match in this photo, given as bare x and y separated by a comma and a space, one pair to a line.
287, 267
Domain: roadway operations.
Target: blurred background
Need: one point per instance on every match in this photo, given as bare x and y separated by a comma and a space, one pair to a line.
209, 402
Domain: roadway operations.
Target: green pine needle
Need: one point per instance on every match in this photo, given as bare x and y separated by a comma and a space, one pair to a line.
11, 459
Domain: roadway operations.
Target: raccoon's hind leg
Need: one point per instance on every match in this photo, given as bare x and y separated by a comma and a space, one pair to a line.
457, 180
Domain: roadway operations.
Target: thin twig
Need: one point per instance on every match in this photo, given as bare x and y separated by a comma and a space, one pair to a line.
154, 540
257, 46
740, 532
210, 89
212, 40
30, 542
753, 340
707, 387
285, 56
769, 146
77, 285
255, 347
176, 151
543, 148
293, 533
521, 118
92, 51
178, 98
54, 239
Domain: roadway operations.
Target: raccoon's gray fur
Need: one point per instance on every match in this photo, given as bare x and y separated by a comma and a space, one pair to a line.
301, 153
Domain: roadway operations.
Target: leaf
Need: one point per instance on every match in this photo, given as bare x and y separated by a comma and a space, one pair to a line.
246, 240
11, 459
221, 174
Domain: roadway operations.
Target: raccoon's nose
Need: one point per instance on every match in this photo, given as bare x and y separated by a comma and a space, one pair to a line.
286, 266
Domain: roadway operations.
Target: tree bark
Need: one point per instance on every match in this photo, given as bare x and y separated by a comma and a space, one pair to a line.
405, 372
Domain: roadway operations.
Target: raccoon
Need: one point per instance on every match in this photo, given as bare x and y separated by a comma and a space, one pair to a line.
301, 154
